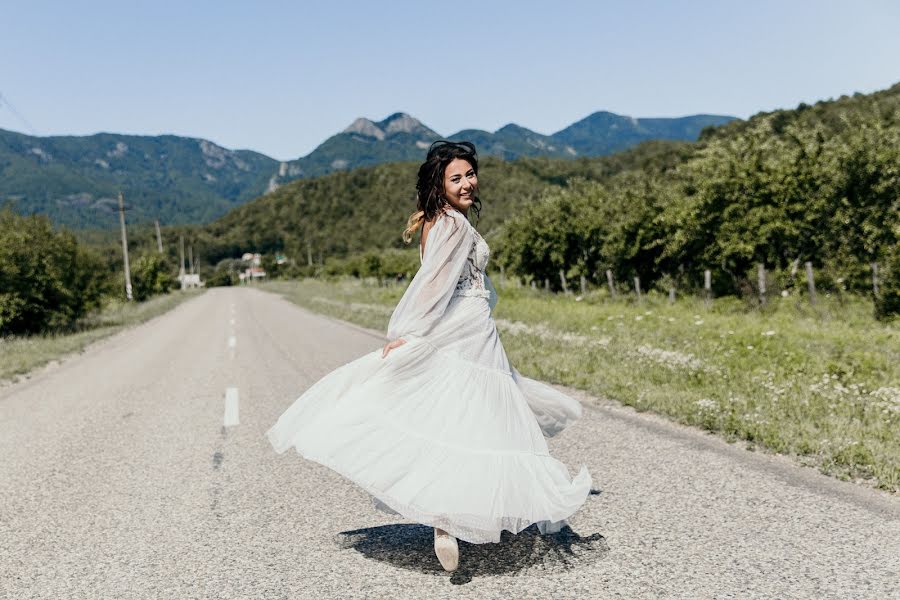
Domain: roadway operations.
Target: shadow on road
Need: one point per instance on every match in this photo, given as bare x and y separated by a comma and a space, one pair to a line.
412, 547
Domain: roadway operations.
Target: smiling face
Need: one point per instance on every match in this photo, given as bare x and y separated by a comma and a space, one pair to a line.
460, 184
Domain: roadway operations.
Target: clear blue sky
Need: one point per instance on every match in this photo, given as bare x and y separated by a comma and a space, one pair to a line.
280, 77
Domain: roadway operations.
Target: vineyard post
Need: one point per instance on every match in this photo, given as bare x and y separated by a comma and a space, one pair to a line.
810, 282
707, 286
610, 283
875, 278
562, 280
761, 281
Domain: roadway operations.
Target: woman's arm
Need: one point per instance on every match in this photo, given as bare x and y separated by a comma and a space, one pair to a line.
425, 300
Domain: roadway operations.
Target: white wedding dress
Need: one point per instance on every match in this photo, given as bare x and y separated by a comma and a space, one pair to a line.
443, 431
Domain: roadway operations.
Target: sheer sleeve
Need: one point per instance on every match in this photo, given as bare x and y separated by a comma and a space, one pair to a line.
423, 303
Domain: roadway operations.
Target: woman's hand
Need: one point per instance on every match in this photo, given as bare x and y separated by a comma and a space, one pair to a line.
391, 345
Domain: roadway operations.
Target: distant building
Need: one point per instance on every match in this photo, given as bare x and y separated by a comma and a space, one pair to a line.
255, 270
191, 280
253, 259
251, 273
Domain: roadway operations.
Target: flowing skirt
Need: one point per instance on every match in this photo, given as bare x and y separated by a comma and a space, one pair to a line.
443, 431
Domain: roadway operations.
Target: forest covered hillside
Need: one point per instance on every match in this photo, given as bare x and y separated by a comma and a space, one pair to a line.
75, 180
366, 209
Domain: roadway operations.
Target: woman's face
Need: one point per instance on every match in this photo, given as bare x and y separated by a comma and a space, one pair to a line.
460, 184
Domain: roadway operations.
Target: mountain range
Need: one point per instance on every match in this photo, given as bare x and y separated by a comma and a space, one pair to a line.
401, 137
75, 179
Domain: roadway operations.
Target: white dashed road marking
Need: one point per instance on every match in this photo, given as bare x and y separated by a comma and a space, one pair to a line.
231, 407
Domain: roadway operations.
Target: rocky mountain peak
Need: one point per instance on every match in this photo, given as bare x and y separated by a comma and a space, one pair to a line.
363, 126
404, 123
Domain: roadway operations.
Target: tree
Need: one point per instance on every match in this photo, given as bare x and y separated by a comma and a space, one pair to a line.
151, 275
46, 280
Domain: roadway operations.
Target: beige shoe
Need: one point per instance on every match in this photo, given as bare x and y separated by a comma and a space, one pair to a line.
447, 550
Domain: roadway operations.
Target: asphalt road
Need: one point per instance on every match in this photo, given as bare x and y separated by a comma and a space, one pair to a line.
118, 479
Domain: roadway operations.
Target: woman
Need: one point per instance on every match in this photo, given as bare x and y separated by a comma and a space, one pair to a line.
438, 426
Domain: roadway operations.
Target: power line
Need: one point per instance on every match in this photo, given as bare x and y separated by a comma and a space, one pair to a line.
12, 109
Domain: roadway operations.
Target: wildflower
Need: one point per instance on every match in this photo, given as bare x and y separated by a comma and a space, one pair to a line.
785, 293
698, 322
547, 333
706, 404
888, 398
578, 298
671, 319
749, 347
768, 333
639, 318
670, 358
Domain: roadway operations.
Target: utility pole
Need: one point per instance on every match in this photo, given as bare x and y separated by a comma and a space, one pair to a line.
125, 247
181, 263
158, 238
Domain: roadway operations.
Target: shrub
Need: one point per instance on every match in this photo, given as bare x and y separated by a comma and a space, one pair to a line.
150, 275
47, 281
887, 302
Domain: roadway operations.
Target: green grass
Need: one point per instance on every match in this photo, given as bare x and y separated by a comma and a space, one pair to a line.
821, 384
22, 354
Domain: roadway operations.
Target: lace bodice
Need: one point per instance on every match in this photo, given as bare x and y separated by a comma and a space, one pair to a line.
472, 280
453, 265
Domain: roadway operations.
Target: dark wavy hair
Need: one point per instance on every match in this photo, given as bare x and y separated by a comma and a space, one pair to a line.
430, 182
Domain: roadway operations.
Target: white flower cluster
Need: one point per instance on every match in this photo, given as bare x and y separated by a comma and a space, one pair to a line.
546, 333
707, 404
756, 417
670, 358
767, 382
884, 399
889, 398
